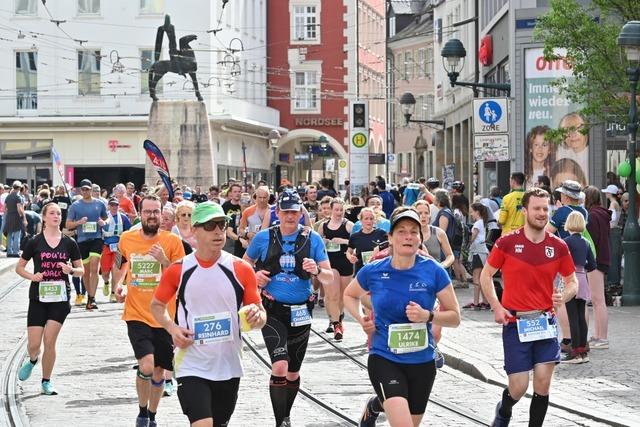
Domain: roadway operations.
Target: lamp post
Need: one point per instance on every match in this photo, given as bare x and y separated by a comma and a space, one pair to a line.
629, 40
323, 146
274, 137
452, 54
408, 105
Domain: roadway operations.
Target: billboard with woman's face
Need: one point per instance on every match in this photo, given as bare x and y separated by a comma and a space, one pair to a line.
546, 108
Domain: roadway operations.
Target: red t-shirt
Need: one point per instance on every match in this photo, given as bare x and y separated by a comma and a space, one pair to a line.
529, 269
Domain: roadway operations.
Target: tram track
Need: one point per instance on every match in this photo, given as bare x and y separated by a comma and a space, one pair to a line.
12, 415
436, 401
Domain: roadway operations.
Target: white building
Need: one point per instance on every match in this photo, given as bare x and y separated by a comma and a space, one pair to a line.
75, 78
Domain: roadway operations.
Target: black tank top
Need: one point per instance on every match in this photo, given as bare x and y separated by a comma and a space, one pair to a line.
341, 233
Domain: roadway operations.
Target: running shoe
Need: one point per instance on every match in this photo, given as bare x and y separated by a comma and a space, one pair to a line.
499, 420
153, 423
79, 300
369, 416
286, 422
106, 289
585, 357
572, 359
339, 332
113, 298
470, 305
599, 344
91, 304
439, 358
25, 370
565, 348
48, 389
142, 422
321, 302
330, 327
168, 389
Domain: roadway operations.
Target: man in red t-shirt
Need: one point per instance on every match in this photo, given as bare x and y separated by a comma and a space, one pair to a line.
530, 258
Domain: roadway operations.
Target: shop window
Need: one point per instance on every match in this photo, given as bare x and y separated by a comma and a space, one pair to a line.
26, 80
26, 7
88, 72
151, 7
88, 7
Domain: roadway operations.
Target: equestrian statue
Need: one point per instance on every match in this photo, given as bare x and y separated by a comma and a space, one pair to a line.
181, 61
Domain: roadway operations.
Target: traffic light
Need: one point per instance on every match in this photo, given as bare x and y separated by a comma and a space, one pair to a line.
359, 115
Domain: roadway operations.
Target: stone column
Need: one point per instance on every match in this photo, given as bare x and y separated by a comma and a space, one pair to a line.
181, 130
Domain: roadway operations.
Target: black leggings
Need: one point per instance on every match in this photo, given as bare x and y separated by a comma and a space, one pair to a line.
577, 322
285, 342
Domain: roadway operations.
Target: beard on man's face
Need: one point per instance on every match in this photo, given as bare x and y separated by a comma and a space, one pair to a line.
150, 228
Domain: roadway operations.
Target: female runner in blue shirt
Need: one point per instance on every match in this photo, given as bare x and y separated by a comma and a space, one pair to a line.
403, 290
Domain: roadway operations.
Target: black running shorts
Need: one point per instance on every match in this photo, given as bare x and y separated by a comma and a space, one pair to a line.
410, 381
90, 247
147, 340
40, 312
285, 342
201, 398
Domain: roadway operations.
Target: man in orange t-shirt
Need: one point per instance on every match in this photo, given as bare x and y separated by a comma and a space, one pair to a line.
146, 252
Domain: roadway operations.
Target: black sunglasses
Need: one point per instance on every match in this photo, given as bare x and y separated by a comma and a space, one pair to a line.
212, 225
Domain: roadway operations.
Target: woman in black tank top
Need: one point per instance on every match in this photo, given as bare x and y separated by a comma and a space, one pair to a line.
336, 234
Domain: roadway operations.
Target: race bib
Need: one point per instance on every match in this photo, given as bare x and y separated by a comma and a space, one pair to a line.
145, 271
536, 329
90, 227
212, 328
300, 315
62, 205
113, 247
366, 256
333, 247
52, 291
407, 337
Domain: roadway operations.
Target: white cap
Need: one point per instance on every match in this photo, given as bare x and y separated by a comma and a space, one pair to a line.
611, 189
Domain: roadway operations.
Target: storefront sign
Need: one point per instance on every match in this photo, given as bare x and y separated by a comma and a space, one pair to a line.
545, 108
114, 144
318, 121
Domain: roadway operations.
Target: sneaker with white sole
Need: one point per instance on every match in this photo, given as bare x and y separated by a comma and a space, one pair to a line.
25, 370
599, 344
369, 416
48, 389
572, 359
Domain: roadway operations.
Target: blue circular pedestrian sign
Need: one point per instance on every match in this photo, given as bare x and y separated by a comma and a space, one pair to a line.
490, 112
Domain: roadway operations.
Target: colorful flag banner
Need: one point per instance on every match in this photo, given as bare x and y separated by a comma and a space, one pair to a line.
58, 161
159, 164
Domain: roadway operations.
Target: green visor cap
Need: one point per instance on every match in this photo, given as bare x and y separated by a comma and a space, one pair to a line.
207, 211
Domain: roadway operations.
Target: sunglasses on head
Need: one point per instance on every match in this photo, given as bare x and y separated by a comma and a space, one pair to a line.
212, 225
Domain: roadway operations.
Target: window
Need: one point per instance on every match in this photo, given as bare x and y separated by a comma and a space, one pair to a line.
429, 106
26, 7
420, 64
151, 6
26, 80
306, 90
88, 72
305, 23
392, 26
419, 111
146, 59
88, 7
398, 67
427, 62
408, 65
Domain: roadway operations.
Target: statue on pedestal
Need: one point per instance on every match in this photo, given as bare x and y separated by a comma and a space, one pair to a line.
181, 61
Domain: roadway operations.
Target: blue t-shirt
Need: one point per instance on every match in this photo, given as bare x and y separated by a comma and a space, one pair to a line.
560, 217
410, 194
388, 202
93, 210
382, 224
391, 290
286, 287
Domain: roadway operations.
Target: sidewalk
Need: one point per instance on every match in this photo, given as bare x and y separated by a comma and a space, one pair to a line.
6, 264
605, 388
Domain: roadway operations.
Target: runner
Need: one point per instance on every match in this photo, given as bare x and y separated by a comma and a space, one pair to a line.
146, 252
336, 234
117, 223
286, 256
55, 256
254, 215
403, 289
87, 216
529, 259
363, 242
211, 285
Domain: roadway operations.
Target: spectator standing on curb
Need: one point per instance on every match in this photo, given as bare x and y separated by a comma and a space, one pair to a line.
615, 234
15, 220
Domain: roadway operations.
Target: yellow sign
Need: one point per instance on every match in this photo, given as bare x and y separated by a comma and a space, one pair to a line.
359, 140
342, 163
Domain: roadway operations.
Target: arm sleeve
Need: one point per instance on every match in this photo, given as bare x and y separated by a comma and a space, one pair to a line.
248, 279
351, 242
29, 248
591, 260
103, 211
71, 213
169, 282
567, 266
496, 257
442, 278
363, 277
319, 252
504, 211
255, 247
177, 251
126, 224
74, 250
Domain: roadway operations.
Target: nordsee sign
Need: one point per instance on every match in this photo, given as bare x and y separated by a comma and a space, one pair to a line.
490, 116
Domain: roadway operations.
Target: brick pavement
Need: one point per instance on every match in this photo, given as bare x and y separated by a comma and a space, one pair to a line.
608, 386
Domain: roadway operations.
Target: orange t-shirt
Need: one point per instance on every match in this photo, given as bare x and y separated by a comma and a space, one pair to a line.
144, 272
126, 206
170, 282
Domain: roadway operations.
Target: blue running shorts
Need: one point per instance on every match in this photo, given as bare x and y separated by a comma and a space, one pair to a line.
523, 356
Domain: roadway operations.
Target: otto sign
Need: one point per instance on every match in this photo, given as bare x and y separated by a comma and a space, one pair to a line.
490, 115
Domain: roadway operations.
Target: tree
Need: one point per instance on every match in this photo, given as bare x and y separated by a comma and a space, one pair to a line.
589, 34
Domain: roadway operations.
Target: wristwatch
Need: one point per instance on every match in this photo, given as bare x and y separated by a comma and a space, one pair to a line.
430, 317
318, 273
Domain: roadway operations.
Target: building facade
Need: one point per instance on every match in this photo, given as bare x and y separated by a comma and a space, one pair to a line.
81, 86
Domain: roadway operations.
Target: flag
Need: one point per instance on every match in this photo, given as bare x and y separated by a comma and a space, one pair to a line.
58, 162
159, 164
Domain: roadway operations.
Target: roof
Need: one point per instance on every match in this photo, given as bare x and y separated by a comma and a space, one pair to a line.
421, 25
407, 7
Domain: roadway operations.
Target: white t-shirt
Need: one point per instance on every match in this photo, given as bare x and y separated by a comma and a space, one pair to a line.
478, 246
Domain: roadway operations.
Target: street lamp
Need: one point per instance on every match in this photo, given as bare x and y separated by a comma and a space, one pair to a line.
408, 105
323, 146
629, 40
452, 53
274, 137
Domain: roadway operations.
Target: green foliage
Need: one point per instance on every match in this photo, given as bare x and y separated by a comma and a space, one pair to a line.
589, 35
